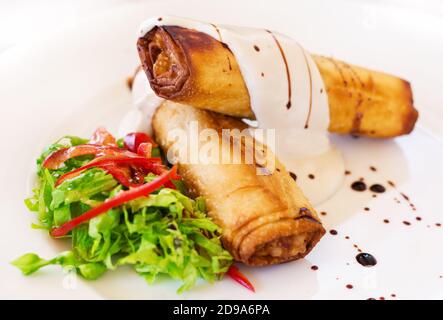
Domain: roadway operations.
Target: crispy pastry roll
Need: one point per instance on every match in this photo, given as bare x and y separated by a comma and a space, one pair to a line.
229, 70
266, 219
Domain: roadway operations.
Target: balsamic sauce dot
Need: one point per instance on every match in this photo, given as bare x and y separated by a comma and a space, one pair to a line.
371, 299
393, 295
374, 196
386, 221
366, 209
382, 298
349, 286
347, 237
366, 259
333, 232
262, 74
358, 186
392, 184
347, 172
321, 90
256, 48
406, 223
438, 224
160, 19
314, 268
311, 176
378, 188
323, 213
293, 175
418, 218
373, 168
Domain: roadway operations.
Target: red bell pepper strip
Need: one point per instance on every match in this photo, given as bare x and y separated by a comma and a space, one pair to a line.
108, 163
102, 137
145, 149
133, 140
118, 200
236, 275
56, 159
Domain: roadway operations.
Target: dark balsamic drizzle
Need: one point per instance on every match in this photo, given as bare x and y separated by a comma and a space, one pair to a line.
310, 91
373, 168
218, 32
358, 186
386, 221
160, 19
406, 223
349, 286
323, 213
262, 74
315, 268
378, 188
256, 48
333, 232
288, 75
221, 40
293, 175
311, 176
366, 209
366, 259
347, 172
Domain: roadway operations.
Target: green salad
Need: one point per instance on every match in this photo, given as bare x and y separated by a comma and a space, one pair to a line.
119, 205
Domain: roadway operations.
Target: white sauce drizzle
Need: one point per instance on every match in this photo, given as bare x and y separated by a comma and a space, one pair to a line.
287, 94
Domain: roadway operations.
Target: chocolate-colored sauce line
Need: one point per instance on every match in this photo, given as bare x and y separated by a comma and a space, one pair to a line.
221, 40
288, 75
310, 89
356, 122
218, 32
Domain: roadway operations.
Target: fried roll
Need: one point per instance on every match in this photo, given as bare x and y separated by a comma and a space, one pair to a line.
266, 219
228, 69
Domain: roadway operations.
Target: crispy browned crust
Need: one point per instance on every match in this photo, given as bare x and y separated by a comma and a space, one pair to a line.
206, 75
195, 69
266, 219
365, 102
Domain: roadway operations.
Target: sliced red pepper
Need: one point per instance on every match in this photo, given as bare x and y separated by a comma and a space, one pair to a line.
133, 140
152, 165
56, 159
101, 136
236, 275
118, 200
145, 149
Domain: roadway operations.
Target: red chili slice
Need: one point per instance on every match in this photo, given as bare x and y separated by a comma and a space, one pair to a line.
116, 201
133, 140
101, 136
110, 164
236, 275
145, 149
56, 159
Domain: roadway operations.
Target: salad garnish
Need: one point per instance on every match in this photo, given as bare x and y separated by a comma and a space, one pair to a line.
120, 205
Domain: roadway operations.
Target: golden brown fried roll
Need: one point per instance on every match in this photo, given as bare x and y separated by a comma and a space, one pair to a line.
191, 67
266, 219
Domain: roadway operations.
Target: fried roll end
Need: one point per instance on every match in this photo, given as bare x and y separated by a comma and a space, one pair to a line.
190, 67
265, 219
367, 103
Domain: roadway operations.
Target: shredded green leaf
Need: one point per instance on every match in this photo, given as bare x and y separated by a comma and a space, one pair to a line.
164, 233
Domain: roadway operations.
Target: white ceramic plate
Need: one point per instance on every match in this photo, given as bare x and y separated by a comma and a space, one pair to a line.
75, 81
